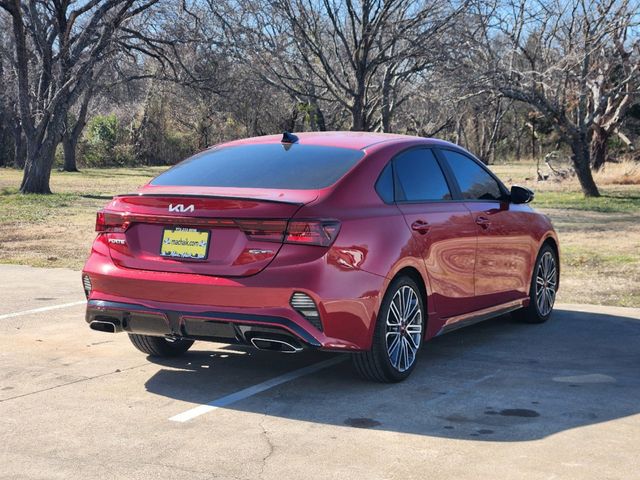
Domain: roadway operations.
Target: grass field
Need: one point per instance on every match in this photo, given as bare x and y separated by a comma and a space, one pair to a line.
600, 238
57, 230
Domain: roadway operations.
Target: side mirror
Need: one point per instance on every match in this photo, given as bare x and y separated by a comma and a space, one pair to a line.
521, 194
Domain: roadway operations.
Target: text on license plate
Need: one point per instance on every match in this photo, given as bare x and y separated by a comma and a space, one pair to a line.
185, 243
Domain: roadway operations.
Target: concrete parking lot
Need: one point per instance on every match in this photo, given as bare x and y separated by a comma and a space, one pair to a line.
496, 400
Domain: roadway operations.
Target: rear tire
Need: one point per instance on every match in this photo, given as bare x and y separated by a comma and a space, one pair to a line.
159, 346
397, 337
544, 285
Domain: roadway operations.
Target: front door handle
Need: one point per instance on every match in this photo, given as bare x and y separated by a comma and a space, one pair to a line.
420, 226
484, 222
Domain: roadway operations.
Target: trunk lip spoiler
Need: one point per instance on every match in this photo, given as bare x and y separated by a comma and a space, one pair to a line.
206, 195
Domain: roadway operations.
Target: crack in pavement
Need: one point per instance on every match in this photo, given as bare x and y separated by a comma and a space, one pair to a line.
265, 433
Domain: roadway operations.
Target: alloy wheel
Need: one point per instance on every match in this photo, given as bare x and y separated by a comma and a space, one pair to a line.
546, 283
404, 328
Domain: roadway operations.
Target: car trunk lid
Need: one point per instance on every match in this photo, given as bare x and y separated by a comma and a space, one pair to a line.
221, 233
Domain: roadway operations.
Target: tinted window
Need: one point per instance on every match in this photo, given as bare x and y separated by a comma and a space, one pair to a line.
384, 185
297, 167
420, 177
475, 183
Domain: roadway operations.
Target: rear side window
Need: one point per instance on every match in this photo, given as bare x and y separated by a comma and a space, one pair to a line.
295, 167
475, 183
420, 177
384, 185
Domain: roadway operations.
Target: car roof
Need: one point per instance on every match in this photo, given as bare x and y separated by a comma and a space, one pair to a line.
351, 140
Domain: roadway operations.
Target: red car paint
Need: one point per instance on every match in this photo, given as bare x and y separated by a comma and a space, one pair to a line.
473, 257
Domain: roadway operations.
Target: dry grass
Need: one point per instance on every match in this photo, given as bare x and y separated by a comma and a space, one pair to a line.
600, 256
623, 173
600, 238
57, 230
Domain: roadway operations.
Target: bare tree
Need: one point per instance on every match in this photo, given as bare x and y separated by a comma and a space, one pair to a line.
123, 67
353, 53
497, 76
549, 54
57, 45
72, 129
615, 82
8, 95
479, 124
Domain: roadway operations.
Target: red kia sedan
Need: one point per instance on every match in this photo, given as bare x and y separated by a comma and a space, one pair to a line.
364, 243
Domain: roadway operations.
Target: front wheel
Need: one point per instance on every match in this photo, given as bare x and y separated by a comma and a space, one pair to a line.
160, 346
544, 285
398, 335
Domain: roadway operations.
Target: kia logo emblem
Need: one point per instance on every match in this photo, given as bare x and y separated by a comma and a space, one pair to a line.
181, 208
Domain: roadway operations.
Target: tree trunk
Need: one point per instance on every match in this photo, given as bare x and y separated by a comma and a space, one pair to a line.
72, 134
358, 111
41, 154
386, 103
582, 166
317, 120
69, 147
203, 133
458, 133
599, 147
37, 171
69, 144
6, 153
533, 139
19, 146
140, 144
358, 116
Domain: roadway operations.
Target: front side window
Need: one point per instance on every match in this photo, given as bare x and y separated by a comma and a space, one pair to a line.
475, 183
420, 177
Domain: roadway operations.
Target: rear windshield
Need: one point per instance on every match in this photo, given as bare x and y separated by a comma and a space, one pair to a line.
295, 167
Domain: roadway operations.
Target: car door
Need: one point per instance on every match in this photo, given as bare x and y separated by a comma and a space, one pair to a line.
443, 231
504, 237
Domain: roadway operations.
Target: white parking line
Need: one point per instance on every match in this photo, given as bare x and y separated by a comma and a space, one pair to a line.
42, 309
253, 390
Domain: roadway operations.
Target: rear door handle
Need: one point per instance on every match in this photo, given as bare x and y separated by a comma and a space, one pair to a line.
420, 226
483, 221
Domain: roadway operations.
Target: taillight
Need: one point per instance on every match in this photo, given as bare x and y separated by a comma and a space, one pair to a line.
306, 232
111, 222
312, 232
264, 230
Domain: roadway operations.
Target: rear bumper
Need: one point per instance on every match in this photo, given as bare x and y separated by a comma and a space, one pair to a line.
217, 308
198, 325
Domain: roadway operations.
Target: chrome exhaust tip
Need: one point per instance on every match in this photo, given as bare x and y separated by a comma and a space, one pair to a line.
274, 345
103, 326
